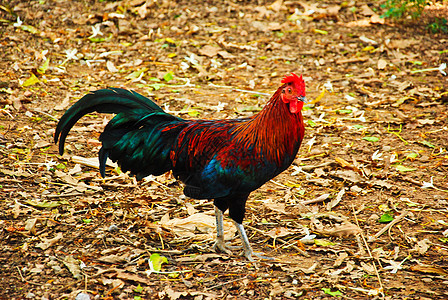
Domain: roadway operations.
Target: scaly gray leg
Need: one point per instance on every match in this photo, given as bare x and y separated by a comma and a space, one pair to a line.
220, 244
246, 246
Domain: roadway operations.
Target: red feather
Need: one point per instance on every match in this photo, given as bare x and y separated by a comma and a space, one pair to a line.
274, 131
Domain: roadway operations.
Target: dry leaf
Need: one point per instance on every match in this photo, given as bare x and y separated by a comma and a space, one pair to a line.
172, 295
382, 63
65, 102
348, 175
336, 200
16, 210
132, 277
67, 178
30, 226
279, 232
73, 266
210, 51
368, 268
200, 222
341, 257
422, 246
343, 230
113, 258
47, 243
190, 209
199, 257
366, 10
276, 6
274, 206
226, 55
430, 269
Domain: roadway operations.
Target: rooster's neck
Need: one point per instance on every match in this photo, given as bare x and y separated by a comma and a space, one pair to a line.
275, 132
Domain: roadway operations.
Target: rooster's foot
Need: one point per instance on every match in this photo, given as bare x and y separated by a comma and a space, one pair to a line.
249, 256
221, 246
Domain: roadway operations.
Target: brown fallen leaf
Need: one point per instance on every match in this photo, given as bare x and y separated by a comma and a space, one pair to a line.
210, 51
335, 201
226, 55
382, 64
73, 266
67, 178
65, 102
422, 246
113, 258
340, 259
198, 223
366, 10
430, 269
131, 277
171, 294
343, 230
274, 206
47, 243
30, 226
279, 232
199, 257
348, 175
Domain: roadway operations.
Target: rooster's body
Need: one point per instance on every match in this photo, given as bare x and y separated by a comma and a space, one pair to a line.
224, 160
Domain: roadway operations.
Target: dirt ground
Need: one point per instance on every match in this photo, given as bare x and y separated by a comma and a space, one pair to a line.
362, 212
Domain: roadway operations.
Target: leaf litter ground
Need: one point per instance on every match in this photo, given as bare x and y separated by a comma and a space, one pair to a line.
362, 213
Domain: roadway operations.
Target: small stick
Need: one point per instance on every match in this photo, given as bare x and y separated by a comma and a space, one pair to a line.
224, 283
321, 198
20, 273
312, 167
304, 253
388, 226
370, 254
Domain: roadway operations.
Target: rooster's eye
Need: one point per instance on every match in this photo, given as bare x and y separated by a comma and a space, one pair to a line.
289, 90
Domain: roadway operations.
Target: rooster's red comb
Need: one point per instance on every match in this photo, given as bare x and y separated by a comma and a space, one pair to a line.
298, 82
293, 78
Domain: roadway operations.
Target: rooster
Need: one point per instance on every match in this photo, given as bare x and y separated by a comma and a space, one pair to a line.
224, 160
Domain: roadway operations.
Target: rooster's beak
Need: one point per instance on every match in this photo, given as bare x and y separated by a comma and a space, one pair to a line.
302, 98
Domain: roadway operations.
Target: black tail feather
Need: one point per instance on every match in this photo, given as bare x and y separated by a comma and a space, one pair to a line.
137, 137
112, 100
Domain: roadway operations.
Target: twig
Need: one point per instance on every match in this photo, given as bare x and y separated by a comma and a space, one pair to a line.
370, 254
24, 205
312, 167
20, 273
304, 253
7, 112
397, 133
224, 283
361, 248
64, 195
24, 280
278, 183
251, 92
46, 114
77, 281
388, 226
321, 198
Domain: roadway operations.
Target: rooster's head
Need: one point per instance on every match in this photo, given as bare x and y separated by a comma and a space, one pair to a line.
293, 92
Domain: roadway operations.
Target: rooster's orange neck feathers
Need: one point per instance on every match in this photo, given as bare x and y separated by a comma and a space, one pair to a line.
274, 131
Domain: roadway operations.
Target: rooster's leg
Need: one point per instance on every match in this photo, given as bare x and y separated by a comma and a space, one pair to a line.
246, 245
220, 244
